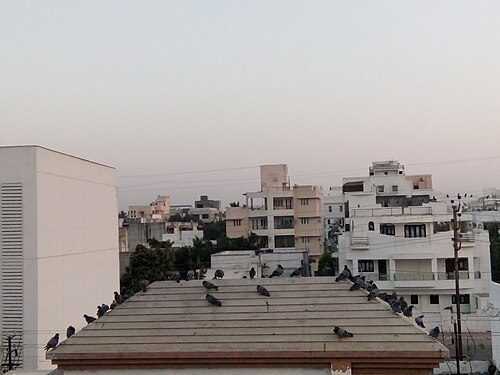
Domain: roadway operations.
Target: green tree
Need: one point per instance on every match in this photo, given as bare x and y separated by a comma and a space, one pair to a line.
327, 264
493, 229
332, 237
214, 231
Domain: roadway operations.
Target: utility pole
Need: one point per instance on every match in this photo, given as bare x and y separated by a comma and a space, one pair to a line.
457, 244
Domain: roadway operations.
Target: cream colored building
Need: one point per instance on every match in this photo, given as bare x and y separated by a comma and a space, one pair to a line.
282, 216
58, 246
159, 210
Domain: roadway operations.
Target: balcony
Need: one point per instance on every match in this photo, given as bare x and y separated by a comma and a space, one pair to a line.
359, 243
391, 211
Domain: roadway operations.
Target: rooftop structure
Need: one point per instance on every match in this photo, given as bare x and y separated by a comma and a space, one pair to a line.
173, 329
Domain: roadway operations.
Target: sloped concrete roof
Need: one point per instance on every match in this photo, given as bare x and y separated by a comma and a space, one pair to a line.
173, 324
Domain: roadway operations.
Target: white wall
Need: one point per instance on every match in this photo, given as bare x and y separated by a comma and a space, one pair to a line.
494, 317
70, 243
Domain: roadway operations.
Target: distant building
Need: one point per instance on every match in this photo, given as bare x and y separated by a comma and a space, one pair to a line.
58, 258
398, 234
204, 202
156, 211
282, 216
181, 233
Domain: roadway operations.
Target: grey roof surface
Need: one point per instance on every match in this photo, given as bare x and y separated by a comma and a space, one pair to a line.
299, 316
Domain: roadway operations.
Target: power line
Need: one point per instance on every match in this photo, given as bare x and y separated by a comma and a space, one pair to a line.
190, 172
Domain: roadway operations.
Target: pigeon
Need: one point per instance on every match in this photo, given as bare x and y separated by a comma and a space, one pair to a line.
208, 285
127, 294
212, 300
104, 307
434, 333
345, 274
278, 271
404, 304
374, 293
492, 369
143, 284
88, 319
420, 321
408, 311
263, 291
52, 343
176, 276
359, 283
100, 311
371, 285
190, 275
342, 332
396, 306
118, 298
219, 274
113, 305
252, 273
159, 275
70, 331
297, 272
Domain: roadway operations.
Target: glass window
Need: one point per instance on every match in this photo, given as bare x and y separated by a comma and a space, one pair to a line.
415, 230
414, 299
434, 299
365, 265
388, 229
380, 188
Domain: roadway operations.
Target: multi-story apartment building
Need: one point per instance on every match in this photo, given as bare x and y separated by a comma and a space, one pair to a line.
58, 258
398, 234
159, 210
281, 215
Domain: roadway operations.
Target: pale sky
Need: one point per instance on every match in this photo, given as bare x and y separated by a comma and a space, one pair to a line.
161, 88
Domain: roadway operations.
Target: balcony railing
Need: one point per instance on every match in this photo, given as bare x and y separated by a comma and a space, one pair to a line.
359, 243
420, 276
414, 276
258, 208
467, 237
391, 211
451, 275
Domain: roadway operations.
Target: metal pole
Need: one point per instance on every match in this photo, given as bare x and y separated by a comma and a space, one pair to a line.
9, 353
456, 248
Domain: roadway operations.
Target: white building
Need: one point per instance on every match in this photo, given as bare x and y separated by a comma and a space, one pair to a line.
59, 245
159, 210
399, 235
282, 216
237, 263
181, 234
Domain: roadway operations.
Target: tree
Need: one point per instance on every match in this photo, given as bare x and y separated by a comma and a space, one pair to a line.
332, 237
327, 264
493, 229
215, 230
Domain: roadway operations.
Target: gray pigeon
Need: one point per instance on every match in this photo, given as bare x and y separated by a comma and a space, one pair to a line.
408, 311
88, 319
104, 307
219, 274
359, 283
208, 285
118, 298
176, 276
263, 291
396, 306
100, 311
434, 333
345, 274
277, 272
52, 343
252, 273
297, 272
420, 321
374, 293
212, 300
70, 331
113, 305
342, 332
143, 284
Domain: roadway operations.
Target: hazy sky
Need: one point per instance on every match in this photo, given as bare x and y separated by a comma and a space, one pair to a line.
161, 88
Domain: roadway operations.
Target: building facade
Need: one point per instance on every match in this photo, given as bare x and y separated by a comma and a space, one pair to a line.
58, 258
280, 215
398, 234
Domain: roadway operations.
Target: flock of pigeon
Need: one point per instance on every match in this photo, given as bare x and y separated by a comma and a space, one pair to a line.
397, 305
101, 310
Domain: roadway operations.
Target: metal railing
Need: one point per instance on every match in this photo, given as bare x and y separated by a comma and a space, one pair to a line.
414, 276
391, 211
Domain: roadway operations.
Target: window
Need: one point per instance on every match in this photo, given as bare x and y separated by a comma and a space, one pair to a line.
371, 226
387, 229
365, 265
340, 208
330, 208
328, 221
304, 201
394, 188
414, 230
414, 299
205, 216
434, 299
304, 239
463, 264
464, 299
380, 188
304, 220
237, 223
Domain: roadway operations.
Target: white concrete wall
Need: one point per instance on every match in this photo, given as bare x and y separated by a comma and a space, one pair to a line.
70, 244
494, 318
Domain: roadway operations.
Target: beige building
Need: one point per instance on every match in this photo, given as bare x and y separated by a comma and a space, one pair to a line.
159, 210
282, 216
172, 329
